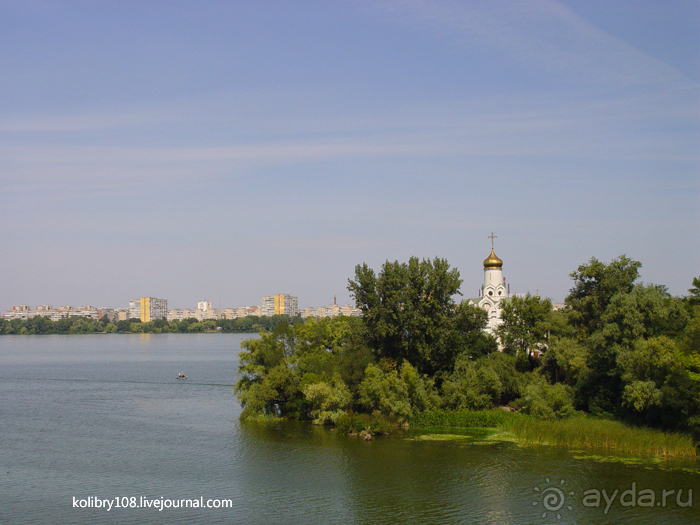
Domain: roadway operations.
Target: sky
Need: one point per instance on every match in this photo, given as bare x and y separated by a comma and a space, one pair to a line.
192, 150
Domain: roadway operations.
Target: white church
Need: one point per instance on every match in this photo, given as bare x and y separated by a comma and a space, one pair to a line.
493, 291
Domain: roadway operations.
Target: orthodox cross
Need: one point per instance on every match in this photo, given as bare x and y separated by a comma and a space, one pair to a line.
492, 237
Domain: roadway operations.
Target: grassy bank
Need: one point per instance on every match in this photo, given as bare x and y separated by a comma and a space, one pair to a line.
599, 434
576, 433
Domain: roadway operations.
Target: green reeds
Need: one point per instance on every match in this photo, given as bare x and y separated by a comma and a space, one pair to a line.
599, 434
462, 418
576, 433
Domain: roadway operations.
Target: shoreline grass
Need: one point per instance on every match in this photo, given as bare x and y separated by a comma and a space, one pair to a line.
462, 418
576, 433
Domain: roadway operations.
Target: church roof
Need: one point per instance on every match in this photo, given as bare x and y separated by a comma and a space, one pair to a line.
493, 261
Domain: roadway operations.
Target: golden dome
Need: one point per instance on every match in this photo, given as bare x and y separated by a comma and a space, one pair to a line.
492, 261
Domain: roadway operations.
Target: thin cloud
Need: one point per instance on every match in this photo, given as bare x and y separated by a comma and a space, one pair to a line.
501, 126
541, 33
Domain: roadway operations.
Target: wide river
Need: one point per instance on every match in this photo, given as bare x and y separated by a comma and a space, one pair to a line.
103, 417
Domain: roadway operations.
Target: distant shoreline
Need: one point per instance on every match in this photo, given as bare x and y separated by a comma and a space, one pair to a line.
39, 325
134, 333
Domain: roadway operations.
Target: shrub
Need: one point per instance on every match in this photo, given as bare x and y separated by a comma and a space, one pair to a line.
329, 401
384, 392
472, 386
546, 401
354, 423
400, 394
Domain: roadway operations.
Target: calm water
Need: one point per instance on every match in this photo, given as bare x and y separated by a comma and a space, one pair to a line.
103, 416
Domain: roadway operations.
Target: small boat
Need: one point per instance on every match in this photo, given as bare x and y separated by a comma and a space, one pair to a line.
181, 376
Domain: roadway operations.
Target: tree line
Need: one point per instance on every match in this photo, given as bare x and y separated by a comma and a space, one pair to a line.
40, 325
619, 349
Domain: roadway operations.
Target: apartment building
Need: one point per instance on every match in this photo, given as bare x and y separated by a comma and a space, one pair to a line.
23, 311
148, 309
279, 304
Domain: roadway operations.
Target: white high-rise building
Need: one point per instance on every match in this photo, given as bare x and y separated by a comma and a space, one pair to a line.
267, 305
204, 306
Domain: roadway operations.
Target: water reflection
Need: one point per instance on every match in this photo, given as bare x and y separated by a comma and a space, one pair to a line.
400, 478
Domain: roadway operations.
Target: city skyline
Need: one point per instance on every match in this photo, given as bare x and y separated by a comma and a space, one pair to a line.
230, 150
150, 309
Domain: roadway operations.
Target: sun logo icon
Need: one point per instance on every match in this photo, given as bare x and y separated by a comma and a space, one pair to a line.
553, 499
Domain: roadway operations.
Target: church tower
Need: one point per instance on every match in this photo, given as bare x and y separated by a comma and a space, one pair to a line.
493, 290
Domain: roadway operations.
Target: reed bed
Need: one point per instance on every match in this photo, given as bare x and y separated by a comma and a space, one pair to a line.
576, 433
599, 434
462, 418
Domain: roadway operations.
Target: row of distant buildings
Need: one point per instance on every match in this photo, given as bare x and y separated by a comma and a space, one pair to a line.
144, 308
151, 308
279, 304
23, 311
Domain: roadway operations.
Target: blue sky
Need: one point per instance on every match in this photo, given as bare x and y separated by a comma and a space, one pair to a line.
228, 150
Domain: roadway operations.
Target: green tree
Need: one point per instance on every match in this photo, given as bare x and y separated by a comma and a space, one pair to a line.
689, 339
195, 327
329, 400
63, 325
277, 368
469, 323
409, 312
694, 297
40, 325
595, 284
658, 388
566, 360
643, 312
208, 325
473, 385
505, 367
247, 324
400, 394
546, 401
646, 311
270, 378
326, 347
526, 324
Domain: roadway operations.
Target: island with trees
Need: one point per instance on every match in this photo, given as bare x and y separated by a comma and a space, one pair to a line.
618, 367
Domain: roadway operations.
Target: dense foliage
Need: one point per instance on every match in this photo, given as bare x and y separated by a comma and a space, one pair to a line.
79, 325
389, 363
619, 349
410, 314
43, 325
